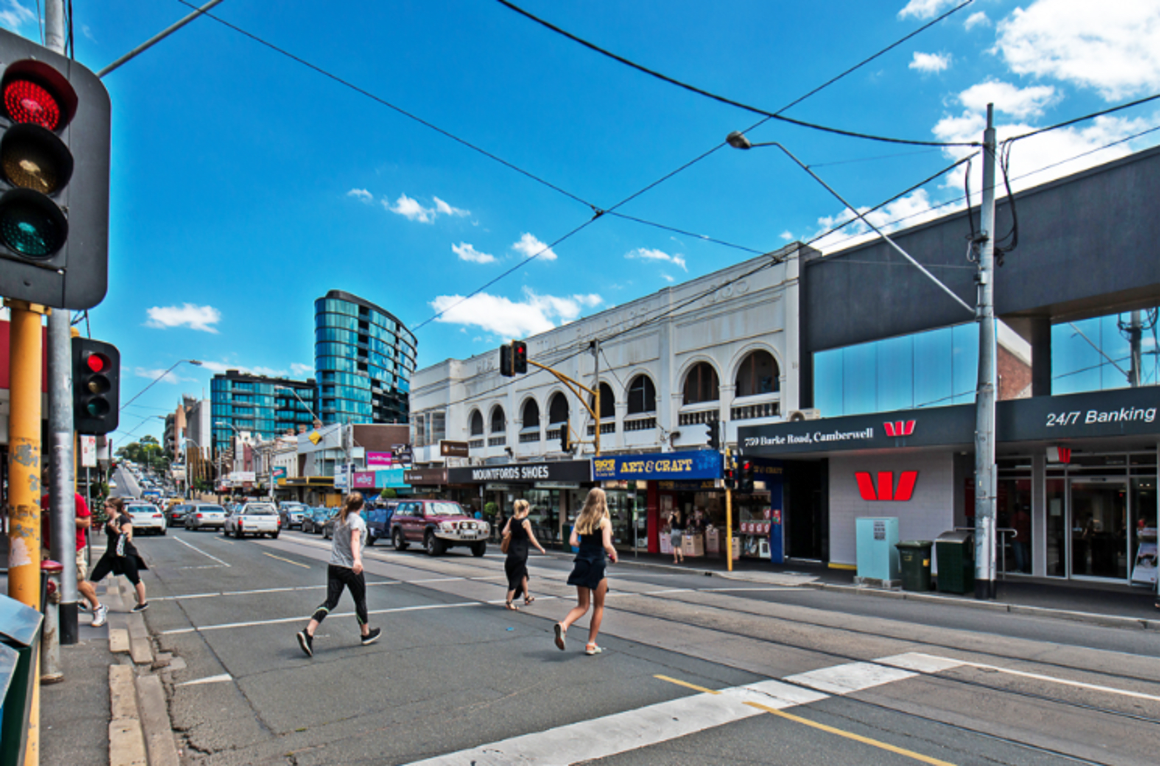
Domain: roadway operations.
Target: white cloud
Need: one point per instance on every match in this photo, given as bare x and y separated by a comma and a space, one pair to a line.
1017, 102
787, 235
930, 63
220, 368
468, 252
14, 15
667, 278
925, 9
976, 19
195, 317
300, 369
443, 208
170, 376
512, 319
529, 246
362, 195
1113, 48
87, 32
411, 209
650, 254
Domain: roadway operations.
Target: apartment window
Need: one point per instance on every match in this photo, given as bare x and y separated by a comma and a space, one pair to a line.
701, 384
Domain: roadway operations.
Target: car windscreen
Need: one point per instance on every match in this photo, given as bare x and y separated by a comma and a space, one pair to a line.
444, 509
260, 510
210, 509
132, 509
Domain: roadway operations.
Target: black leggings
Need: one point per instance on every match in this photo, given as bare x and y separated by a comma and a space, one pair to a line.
106, 564
338, 578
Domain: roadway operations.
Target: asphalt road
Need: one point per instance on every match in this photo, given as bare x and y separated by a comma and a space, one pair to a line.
697, 670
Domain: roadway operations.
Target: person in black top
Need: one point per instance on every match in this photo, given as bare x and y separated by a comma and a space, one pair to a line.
676, 532
593, 536
120, 557
516, 564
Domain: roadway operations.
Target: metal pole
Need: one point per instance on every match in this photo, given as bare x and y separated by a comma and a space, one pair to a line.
728, 505
596, 387
985, 397
1135, 330
25, 352
157, 38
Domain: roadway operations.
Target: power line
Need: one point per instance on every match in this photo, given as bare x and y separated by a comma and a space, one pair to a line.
1073, 121
747, 107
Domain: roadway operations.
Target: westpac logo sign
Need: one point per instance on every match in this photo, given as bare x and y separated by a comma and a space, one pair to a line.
899, 428
886, 488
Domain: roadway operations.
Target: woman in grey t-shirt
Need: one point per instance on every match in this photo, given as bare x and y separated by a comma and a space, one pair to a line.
345, 570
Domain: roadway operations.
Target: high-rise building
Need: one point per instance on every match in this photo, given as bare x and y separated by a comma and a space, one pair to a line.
363, 360
263, 407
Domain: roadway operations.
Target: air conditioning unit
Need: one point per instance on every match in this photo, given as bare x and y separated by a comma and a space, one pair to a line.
800, 415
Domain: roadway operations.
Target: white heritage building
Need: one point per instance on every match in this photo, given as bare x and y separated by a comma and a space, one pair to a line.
723, 347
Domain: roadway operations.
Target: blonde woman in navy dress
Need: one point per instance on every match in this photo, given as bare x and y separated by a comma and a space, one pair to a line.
593, 536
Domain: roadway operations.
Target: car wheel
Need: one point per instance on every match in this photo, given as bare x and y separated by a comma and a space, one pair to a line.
239, 534
399, 541
478, 549
433, 544
274, 536
163, 530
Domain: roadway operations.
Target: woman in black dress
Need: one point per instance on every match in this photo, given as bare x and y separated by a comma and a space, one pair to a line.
516, 564
120, 557
676, 531
593, 536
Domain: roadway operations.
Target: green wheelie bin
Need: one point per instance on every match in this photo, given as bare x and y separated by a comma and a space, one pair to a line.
914, 557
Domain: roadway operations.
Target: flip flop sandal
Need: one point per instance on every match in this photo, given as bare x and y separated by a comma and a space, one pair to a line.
529, 600
511, 607
560, 636
592, 649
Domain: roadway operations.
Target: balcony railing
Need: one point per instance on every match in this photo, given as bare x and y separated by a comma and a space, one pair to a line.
496, 441
701, 416
754, 411
640, 424
531, 436
475, 444
608, 427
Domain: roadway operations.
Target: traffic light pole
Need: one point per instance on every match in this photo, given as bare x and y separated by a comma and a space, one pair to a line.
728, 511
576, 387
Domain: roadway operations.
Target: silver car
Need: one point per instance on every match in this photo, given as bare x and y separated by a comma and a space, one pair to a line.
205, 517
255, 519
147, 518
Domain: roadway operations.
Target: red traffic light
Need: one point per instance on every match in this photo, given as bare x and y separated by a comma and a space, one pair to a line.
97, 362
25, 101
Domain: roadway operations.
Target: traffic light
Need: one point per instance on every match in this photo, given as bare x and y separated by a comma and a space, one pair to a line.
714, 432
565, 438
54, 178
96, 386
519, 357
730, 477
745, 477
505, 360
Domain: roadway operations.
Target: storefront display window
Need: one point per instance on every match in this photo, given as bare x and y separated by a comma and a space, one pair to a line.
1056, 496
627, 507
1013, 517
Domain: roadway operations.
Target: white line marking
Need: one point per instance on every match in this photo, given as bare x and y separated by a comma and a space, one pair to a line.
203, 566
209, 680
260, 590
199, 550
920, 663
742, 590
255, 623
632, 729
850, 677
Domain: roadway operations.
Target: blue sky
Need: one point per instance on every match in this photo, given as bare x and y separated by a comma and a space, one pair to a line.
245, 185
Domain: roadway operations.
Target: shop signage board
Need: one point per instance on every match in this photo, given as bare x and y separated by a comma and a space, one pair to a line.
672, 466
1120, 412
525, 473
279, 472
453, 449
394, 478
377, 460
425, 476
363, 480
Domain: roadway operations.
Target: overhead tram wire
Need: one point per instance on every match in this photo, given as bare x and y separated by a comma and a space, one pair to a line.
748, 107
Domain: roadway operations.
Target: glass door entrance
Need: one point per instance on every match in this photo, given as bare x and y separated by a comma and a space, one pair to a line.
1099, 528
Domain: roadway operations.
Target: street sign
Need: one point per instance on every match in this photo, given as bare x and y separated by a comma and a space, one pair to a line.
453, 449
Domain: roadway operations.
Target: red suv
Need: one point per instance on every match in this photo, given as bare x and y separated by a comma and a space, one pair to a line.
437, 525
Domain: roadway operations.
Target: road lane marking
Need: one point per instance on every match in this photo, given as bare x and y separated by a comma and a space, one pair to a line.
850, 677
632, 729
288, 561
199, 550
850, 735
687, 685
209, 680
277, 620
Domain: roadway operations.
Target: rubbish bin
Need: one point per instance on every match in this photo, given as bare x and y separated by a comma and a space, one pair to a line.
956, 561
914, 556
19, 660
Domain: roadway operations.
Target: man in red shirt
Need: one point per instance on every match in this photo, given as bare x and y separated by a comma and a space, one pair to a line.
84, 519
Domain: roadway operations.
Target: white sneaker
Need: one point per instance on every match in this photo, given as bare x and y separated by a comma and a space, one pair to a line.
100, 616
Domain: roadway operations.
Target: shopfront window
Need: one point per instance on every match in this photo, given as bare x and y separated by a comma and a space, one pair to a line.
1056, 496
544, 513
627, 509
1143, 545
1013, 519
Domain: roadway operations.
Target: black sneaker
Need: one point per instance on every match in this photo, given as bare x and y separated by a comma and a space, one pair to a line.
140, 607
373, 636
306, 642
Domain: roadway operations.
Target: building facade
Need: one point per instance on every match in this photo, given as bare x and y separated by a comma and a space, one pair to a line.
364, 358
259, 407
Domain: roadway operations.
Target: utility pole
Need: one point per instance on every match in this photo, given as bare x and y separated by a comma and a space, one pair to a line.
728, 503
1135, 331
985, 396
596, 387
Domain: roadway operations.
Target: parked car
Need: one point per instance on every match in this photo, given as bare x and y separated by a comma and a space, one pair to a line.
175, 516
253, 519
292, 514
379, 521
437, 525
205, 517
314, 518
147, 519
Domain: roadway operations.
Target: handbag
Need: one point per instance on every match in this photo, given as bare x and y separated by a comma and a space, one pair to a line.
505, 543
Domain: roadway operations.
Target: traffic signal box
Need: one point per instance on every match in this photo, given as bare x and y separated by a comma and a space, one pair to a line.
519, 357
505, 360
566, 437
96, 386
54, 178
745, 476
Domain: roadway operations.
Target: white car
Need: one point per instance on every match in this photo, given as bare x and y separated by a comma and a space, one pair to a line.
146, 518
205, 517
253, 519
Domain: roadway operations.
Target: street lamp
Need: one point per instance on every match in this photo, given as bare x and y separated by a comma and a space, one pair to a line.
152, 383
984, 313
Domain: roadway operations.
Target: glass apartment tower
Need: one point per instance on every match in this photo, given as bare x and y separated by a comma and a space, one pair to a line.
258, 405
363, 360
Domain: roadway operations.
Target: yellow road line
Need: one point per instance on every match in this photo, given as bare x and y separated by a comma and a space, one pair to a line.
694, 687
850, 735
288, 561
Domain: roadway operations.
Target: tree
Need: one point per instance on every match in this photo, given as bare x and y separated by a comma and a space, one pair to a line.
388, 493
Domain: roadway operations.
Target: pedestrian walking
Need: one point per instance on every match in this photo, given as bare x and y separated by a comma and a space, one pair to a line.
516, 563
345, 570
593, 536
677, 533
83, 522
120, 558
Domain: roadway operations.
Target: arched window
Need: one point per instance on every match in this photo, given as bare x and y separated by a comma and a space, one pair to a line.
477, 423
531, 418
607, 402
557, 409
498, 424
701, 384
758, 374
642, 395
